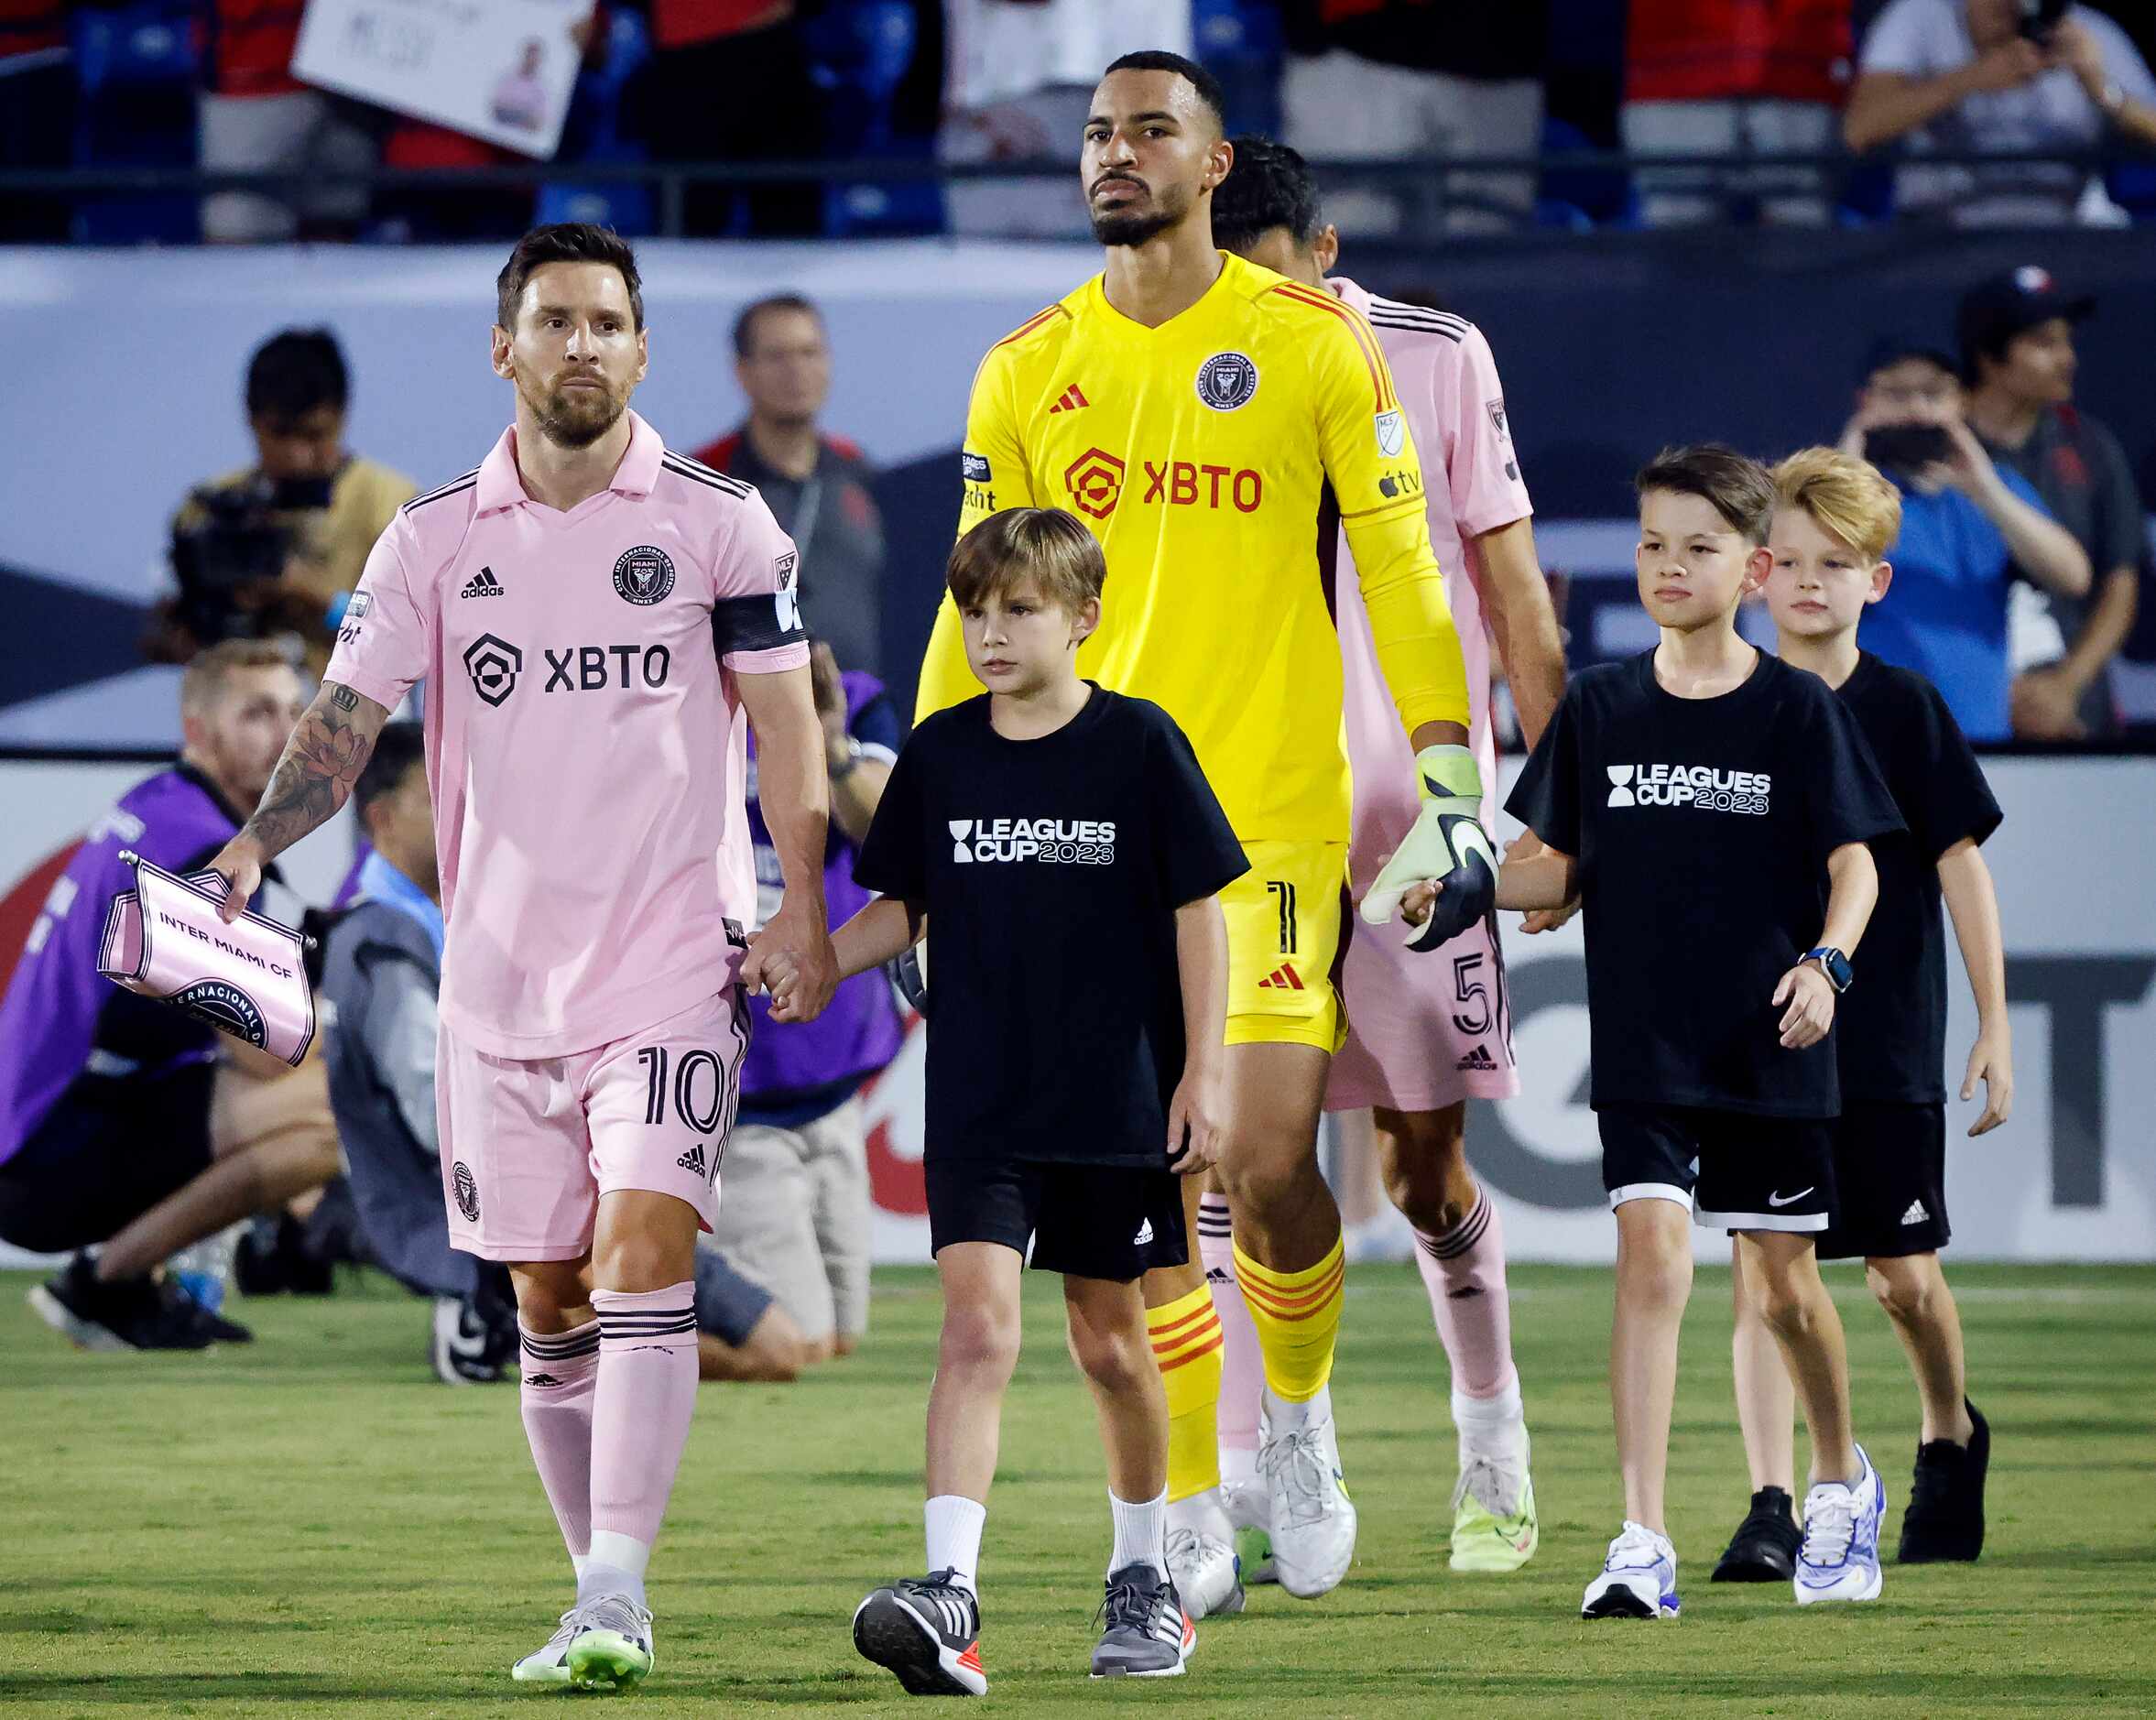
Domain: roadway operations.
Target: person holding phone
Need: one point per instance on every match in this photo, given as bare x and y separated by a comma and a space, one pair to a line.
1966, 526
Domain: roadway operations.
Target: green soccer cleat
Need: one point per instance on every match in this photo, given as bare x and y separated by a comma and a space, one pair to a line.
1486, 1535
612, 1648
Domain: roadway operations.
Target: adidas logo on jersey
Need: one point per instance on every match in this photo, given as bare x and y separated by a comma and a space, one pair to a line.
693, 1159
1479, 1057
1073, 398
482, 584
1145, 1234
1282, 978
1916, 1213
540, 1379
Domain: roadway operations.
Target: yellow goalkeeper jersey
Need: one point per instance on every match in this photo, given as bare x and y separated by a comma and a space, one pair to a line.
1214, 458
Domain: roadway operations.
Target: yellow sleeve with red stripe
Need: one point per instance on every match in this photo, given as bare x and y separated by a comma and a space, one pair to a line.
993, 467
1377, 479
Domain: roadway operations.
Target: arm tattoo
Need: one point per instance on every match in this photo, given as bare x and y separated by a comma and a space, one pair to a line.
320, 764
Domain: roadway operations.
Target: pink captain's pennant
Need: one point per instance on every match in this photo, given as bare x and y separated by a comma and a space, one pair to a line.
163, 939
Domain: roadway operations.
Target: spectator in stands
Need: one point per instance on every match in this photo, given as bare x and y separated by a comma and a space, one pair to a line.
1963, 76
37, 115
381, 978
125, 1122
729, 81
2017, 355
1734, 78
817, 483
255, 118
796, 1213
1020, 80
266, 550
1966, 526
1403, 78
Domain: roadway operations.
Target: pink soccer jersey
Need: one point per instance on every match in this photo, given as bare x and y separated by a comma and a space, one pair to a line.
584, 738
1421, 1035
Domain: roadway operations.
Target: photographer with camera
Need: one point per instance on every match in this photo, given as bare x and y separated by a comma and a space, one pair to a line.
267, 551
2006, 77
1966, 527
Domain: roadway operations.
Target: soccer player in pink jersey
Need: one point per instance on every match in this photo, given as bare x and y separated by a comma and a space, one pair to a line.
593, 616
1426, 1033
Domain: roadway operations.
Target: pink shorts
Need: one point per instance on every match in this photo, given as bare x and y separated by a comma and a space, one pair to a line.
529, 1145
1424, 1031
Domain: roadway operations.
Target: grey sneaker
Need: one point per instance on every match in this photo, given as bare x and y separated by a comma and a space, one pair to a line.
1148, 1636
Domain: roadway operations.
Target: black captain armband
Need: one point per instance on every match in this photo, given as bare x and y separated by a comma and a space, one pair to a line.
757, 624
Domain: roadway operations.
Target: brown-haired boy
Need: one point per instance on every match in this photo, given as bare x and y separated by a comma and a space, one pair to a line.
1835, 517
1711, 807
1066, 846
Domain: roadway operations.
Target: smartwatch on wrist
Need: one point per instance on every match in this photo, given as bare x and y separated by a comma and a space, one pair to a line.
1834, 966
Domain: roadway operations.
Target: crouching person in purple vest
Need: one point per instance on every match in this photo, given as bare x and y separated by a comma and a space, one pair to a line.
129, 1130
794, 1215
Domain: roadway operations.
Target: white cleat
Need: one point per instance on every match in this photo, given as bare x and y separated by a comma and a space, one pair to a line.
1313, 1521
550, 1665
1639, 1578
612, 1648
1205, 1572
1840, 1558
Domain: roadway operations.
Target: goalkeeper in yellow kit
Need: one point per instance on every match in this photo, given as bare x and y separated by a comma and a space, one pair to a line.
1214, 424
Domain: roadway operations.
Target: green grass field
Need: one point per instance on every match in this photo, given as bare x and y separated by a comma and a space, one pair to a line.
311, 1526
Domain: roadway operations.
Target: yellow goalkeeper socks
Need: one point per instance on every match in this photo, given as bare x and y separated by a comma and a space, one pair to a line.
1298, 1319
1186, 1343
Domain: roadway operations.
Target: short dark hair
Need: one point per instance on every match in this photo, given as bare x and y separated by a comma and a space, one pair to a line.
1736, 486
398, 748
744, 325
1189, 70
295, 372
1270, 186
565, 242
1045, 545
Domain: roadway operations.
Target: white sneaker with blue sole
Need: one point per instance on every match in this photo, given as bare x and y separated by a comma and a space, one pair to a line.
1639, 1578
1840, 1558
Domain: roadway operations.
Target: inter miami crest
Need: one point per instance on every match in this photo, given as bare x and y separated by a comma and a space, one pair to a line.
219, 1004
467, 1190
1226, 381
643, 574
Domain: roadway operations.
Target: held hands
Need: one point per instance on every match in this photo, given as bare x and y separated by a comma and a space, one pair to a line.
1194, 1120
793, 964
1447, 853
240, 861
1991, 1061
1810, 995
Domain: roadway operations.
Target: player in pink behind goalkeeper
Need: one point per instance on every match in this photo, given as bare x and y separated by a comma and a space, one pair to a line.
593, 617
1427, 1031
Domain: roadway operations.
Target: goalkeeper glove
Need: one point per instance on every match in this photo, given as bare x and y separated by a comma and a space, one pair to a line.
1447, 845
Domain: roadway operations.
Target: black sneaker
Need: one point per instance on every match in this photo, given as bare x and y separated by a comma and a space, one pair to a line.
1764, 1549
132, 1313
466, 1347
927, 1631
273, 1259
220, 1329
1149, 1634
1944, 1522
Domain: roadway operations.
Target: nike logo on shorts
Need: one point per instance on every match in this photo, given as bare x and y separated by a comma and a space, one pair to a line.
1783, 1199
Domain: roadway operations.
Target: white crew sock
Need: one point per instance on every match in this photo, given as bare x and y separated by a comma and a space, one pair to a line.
1497, 1425
954, 1524
615, 1565
1141, 1533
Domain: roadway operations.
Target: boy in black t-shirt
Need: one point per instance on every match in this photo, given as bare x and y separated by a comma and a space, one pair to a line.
1711, 806
1834, 519
1067, 850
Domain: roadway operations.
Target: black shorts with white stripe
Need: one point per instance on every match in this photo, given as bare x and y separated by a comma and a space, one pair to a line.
1734, 1171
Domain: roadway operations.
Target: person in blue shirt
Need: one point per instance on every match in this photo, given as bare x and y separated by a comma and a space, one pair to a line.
1967, 526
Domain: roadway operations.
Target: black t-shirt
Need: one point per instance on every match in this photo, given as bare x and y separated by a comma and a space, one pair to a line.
1891, 1026
1050, 871
1702, 828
